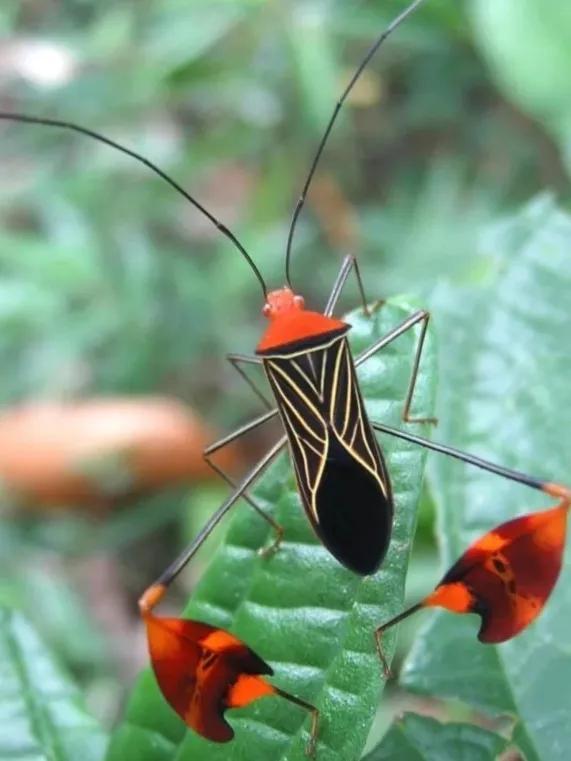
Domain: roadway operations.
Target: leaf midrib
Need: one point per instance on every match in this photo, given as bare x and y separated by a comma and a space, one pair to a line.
35, 713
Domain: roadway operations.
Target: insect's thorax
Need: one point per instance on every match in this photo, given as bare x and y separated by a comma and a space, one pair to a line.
310, 377
318, 396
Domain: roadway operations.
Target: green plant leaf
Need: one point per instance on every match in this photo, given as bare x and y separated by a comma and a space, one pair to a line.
308, 616
314, 62
505, 395
42, 715
420, 738
180, 33
527, 47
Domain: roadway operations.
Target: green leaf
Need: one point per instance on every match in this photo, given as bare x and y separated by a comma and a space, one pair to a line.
179, 33
420, 738
311, 618
41, 716
505, 395
472, 673
314, 63
526, 44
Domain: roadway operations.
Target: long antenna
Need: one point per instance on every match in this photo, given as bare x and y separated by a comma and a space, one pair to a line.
392, 26
149, 164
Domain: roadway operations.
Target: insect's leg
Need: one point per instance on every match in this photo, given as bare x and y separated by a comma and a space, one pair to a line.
556, 491
277, 528
379, 636
221, 443
153, 594
238, 433
422, 317
349, 263
236, 360
537, 537
313, 711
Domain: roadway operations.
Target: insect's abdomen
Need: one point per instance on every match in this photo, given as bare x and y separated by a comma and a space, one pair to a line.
354, 516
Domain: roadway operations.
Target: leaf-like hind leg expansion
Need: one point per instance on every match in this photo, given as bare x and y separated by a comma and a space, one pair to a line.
492, 577
422, 317
349, 263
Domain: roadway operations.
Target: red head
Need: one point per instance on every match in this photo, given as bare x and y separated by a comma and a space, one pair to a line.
292, 327
282, 302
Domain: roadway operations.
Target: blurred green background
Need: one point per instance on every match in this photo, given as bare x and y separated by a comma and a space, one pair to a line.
111, 283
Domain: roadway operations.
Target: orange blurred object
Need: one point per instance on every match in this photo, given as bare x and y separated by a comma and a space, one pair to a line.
99, 451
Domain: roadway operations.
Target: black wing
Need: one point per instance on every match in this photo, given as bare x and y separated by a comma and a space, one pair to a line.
341, 474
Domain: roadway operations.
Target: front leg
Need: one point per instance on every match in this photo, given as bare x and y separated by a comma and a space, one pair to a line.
236, 360
349, 263
156, 591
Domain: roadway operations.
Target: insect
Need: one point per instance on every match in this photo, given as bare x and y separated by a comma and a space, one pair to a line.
203, 671
336, 457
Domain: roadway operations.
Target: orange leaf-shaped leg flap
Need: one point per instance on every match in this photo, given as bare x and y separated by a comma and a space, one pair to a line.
202, 671
507, 575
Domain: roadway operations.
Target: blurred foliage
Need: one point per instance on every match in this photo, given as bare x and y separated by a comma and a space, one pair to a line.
43, 714
111, 283
527, 46
418, 738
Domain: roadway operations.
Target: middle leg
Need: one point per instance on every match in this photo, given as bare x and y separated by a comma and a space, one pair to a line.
277, 527
153, 594
421, 317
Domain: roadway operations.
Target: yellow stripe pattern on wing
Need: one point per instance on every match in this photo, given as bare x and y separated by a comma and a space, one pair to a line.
318, 396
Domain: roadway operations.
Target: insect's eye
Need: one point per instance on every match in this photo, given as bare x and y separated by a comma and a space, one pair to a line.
266, 311
299, 301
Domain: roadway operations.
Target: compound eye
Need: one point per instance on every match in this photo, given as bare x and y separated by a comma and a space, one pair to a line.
266, 311
299, 301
